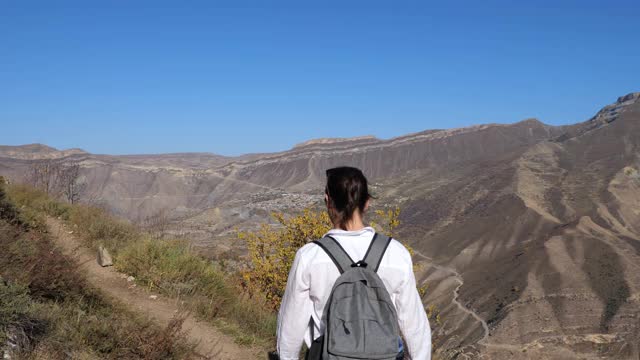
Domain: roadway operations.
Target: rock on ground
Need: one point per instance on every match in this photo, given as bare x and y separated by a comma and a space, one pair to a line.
104, 258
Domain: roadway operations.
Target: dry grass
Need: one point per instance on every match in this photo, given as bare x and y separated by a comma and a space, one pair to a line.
173, 269
163, 265
49, 311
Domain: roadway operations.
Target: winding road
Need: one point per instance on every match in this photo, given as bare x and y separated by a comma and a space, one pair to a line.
458, 278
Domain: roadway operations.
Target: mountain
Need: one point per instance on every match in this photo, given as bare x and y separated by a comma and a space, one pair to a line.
528, 234
36, 151
138, 186
546, 239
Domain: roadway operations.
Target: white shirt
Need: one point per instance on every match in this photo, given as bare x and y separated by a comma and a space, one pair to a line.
312, 277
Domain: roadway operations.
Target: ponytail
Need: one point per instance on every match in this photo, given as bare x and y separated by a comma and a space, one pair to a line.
347, 191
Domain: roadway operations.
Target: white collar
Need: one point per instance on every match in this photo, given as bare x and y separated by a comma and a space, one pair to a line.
350, 233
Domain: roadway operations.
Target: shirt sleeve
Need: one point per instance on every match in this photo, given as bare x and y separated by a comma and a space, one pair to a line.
295, 311
412, 318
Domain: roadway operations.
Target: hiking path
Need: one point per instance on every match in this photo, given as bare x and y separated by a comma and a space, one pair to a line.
209, 340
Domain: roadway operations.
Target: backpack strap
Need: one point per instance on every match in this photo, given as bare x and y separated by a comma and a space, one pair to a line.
379, 245
335, 251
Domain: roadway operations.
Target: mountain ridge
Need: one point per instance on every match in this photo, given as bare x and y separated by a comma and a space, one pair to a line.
15, 151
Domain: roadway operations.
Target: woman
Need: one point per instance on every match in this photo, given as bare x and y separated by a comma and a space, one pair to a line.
313, 273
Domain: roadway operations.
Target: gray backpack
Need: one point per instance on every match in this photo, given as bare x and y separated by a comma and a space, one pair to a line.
360, 319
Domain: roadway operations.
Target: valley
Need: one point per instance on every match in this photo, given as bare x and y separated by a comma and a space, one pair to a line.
528, 234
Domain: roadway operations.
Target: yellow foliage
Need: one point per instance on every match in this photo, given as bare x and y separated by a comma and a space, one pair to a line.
391, 220
387, 220
434, 314
272, 248
432, 311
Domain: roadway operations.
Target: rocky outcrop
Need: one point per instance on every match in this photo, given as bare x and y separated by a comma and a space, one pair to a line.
605, 116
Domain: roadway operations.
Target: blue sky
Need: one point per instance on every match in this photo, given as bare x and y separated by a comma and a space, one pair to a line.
236, 77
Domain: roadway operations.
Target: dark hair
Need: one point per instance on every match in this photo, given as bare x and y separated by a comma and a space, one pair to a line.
347, 191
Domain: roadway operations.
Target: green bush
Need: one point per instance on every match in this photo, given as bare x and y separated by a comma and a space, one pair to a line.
173, 269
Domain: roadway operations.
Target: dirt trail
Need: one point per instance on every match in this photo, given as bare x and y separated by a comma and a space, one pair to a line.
456, 293
210, 340
459, 280
484, 341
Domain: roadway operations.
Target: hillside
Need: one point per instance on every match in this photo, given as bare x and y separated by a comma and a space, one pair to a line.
49, 311
547, 240
529, 233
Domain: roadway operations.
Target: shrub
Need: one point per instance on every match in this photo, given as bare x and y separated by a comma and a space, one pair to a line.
272, 250
170, 266
173, 269
273, 247
97, 228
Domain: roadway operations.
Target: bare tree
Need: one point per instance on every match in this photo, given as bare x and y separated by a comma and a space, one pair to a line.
43, 175
57, 179
157, 224
69, 182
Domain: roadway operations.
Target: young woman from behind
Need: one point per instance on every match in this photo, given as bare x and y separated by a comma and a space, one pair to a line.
313, 273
